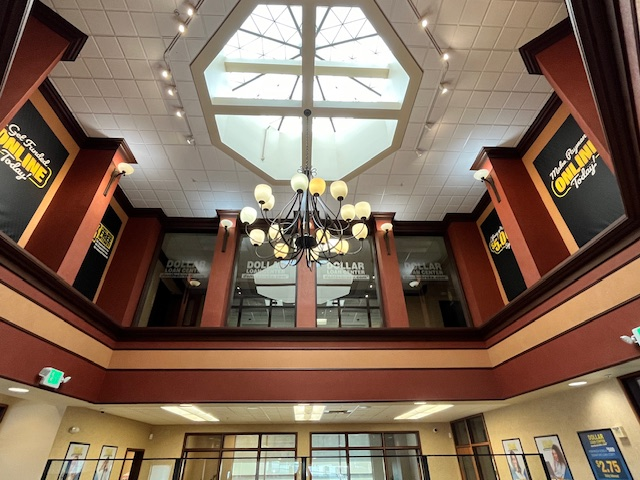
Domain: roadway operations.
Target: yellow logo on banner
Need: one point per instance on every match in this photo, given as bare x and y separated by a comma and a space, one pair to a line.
18, 152
580, 162
104, 236
499, 241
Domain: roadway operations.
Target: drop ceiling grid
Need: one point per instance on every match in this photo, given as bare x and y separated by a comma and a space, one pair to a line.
114, 89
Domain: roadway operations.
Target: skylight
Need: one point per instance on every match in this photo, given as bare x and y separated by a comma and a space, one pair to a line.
268, 63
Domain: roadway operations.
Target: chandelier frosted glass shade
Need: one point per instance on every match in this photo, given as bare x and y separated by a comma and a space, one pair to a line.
306, 229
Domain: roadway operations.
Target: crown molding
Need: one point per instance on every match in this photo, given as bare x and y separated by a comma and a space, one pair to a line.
59, 25
529, 50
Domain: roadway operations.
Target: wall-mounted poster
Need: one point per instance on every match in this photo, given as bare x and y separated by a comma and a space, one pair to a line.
30, 158
554, 459
502, 256
74, 461
579, 182
517, 463
95, 261
604, 455
105, 464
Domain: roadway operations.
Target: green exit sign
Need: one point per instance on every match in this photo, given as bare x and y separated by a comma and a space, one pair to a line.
52, 377
636, 334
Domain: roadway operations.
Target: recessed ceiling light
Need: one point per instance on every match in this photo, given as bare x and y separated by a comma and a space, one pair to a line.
419, 403
191, 413
308, 413
577, 384
18, 389
422, 411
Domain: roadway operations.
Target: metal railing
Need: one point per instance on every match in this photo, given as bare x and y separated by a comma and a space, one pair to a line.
235, 466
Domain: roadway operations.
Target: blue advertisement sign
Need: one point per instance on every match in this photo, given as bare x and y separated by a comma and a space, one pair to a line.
604, 455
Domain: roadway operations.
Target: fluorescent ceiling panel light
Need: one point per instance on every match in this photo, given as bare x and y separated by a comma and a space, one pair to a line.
192, 413
308, 413
422, 411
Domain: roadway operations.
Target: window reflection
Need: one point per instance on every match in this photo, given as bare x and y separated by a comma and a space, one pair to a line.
347, 291
430, 295
264, 293
176, 291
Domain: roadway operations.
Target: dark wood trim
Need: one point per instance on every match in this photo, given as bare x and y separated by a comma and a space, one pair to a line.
600, 33
529, 50
533, 132
13, 15
66, 30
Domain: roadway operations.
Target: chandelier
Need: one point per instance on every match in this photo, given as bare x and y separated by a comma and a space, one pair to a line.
306, 229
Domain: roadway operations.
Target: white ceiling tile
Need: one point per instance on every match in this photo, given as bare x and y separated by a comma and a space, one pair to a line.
145, 24
58, 4
90, 4
59, 71
108, 88
163, 123
508, 39
149, 88
497, 61
535, 101
478, 99
128, 88
474, 12
464, 37
542, 85
155, 106
450, 12
487, 37
507, 81
497, 13
117, 105
97, 67
476, 60
167, 24
114, 4
78, 69
140, 5
67, 87
119, 68
125, 122
143, 122
97, 22
132, 48
106, 121
497, 99
561, 15
520, 14
78, 104
75, 18
87, 87
515, 63
97, 105
165, 6
136, 106
211, 22
506, 116
515, 100
109, 47
488, 116
487, 80
153, 48
524, 117
543, 15
88, 122
141, 69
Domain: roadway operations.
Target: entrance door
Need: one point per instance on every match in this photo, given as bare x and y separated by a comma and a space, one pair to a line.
132, 464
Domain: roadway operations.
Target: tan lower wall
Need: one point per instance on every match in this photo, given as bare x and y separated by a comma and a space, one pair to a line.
603, 405
26, 433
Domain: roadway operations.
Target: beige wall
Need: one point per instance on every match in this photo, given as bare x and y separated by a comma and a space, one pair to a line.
603, 405
26, 433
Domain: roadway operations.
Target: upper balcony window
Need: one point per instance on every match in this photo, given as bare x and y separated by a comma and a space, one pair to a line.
178, 283
430, 294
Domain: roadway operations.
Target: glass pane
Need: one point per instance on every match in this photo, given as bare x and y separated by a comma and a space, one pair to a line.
365, 440
476, 429
460, 433
405, 466
327, 440
484, 461
431, 297
203, 441
197, 469
330, 465
278, 441
179, 281
239, 465
401, 439
466, 465
264, 294
240, 441
371, 467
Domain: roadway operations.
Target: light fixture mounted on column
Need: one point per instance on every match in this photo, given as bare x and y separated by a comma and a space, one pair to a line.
226, 224
122, 169
482, 175
386, 228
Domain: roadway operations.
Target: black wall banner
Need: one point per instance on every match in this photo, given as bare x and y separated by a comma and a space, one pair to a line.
502, 256
30, 158
580, 183
95, 261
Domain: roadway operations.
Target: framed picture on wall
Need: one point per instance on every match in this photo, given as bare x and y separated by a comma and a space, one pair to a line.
517, 463
105, 463
74, 461
554, 459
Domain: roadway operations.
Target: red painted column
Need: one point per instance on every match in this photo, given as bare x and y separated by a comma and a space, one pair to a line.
535, 241
306, 296
216, 302
391, 293
562, 66
63, 235
125, 279
476, 275
39, 51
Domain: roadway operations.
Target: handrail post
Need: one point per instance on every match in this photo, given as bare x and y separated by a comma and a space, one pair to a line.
303, 467
177, 468
424, 463
544, 467
46, 470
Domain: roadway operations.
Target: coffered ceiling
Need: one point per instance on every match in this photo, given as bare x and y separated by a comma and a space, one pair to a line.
115, 89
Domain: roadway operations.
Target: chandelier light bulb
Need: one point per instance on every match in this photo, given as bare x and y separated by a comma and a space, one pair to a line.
322, 236
257, 237
342, 247
348, 212
269, 204
360, 231
339, 190
275, 232
280, 251
363, 210
262, 193
317, 186
248, 215
299, 182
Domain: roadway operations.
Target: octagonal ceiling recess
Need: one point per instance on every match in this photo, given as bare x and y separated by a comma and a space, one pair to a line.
269, 62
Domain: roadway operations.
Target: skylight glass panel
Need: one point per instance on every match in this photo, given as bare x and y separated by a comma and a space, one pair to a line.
348, 89
270, 87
